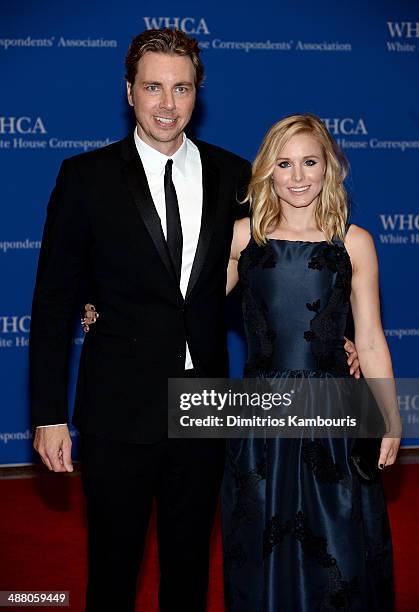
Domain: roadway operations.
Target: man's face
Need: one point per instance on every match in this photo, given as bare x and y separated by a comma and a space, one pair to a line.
163, 96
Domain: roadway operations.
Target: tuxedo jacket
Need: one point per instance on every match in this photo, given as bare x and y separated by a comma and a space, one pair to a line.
101, 218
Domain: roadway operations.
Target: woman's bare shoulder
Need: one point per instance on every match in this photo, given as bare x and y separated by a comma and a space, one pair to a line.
241, 236
359, 243
358, 234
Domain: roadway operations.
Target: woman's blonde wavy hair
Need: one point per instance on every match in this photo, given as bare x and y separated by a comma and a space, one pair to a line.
332, 206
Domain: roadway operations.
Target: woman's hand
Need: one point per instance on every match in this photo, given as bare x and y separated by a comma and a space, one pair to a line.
388, 452
90, 317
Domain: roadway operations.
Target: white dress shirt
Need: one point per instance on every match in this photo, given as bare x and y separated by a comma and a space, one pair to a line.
187, 179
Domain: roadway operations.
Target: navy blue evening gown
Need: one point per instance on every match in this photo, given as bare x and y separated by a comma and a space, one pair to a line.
302, 531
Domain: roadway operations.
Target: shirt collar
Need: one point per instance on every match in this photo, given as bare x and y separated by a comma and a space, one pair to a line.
155, 162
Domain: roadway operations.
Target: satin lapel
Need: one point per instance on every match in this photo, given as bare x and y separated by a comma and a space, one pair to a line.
138, 186
210, 183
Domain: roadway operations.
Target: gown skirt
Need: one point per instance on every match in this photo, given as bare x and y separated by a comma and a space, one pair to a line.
302, 530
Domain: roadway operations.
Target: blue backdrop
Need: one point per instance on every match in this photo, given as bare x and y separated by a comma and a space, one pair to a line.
62, 92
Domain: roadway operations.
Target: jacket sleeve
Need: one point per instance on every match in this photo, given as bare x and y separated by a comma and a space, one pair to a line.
64, 251
242, 208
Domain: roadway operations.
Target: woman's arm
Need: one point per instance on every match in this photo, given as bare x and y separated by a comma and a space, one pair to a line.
373, 353
241, 237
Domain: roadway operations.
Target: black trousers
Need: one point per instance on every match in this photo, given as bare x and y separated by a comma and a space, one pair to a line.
120, 481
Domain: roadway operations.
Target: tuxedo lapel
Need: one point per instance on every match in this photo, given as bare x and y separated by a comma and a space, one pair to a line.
210, 183
136, 180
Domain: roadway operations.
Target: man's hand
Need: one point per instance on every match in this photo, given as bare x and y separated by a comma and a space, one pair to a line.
54, 446
352, 355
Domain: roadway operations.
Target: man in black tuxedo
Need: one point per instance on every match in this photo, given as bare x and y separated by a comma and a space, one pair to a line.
151, 218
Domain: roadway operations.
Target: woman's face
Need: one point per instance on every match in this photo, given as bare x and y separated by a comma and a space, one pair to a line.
299, 172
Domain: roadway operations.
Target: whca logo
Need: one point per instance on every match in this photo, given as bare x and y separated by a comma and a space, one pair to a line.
14, 324
189, 25
403, 29
346, 126
22, 125
400, 222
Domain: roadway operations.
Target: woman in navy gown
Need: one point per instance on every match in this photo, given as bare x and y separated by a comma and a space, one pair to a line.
303, 531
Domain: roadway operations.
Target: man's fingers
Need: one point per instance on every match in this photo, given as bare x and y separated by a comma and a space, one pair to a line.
354, 366
349, 346
54, 446
46, 462
66, 456
352, 355
55, 460
47, 459
40, 449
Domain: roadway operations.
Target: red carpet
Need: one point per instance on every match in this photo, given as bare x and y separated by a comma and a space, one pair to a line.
42, 540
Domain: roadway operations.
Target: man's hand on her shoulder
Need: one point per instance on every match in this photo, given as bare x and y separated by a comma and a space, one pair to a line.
54, 446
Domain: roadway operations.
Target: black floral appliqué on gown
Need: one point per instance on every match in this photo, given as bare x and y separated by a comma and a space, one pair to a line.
302, 532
